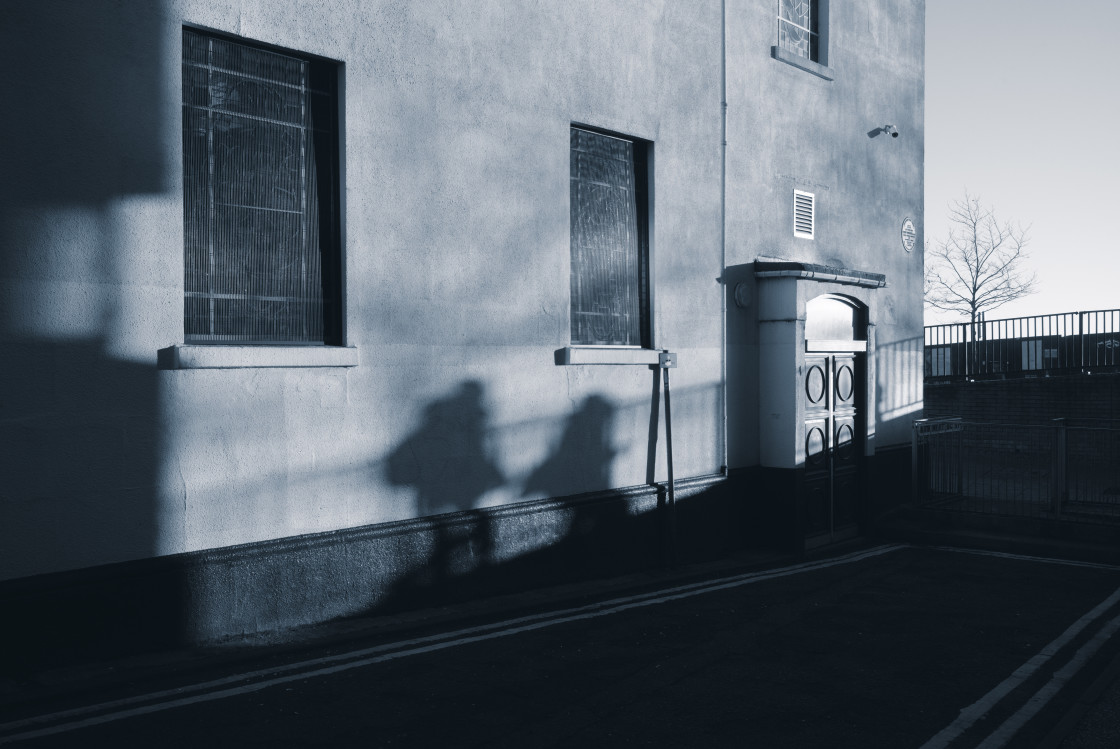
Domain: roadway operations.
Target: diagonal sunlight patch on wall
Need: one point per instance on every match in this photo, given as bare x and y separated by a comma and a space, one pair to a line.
899, 386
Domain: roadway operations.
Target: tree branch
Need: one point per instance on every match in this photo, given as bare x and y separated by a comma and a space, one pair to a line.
979, 266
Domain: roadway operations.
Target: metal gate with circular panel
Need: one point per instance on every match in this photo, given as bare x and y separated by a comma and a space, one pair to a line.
833, 404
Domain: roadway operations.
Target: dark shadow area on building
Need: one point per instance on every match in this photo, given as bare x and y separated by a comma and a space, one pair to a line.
79, 490
447, 462
473, 552
462, 551
605, 532
740, 290
80, 427
583, 457
897, 403
586, 449
767, 506
83, 115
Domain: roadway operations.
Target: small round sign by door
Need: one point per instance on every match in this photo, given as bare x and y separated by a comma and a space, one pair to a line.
909, 234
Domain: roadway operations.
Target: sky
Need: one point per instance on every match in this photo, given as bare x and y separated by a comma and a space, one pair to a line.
1023, 111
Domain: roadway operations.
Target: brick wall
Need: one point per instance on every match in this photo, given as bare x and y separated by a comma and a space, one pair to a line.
1080, 398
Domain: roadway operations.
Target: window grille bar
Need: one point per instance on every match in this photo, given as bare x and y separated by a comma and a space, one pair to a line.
257, 78
210, 185
247, 297
257, 208
798, 26
303, 196
256, 118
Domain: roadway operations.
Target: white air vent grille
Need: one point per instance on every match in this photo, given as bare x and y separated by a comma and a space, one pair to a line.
804, 215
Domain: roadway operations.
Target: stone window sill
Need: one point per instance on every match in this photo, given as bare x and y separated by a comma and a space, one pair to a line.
607, 355
252, 357
803, 63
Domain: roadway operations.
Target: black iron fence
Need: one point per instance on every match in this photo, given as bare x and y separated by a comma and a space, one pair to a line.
1022, 346
1049, 471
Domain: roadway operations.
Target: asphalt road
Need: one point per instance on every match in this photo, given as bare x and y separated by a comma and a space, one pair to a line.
886, 647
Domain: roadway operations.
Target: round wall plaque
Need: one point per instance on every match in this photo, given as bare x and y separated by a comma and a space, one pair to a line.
742, 295
909, 234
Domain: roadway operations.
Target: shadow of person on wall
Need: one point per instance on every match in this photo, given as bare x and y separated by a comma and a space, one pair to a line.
448, 463
583, 456
581, 463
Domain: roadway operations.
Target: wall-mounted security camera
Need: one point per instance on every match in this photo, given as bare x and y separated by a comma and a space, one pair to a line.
891, 129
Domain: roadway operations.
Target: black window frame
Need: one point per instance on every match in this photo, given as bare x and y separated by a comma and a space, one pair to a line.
320, 225
641, 155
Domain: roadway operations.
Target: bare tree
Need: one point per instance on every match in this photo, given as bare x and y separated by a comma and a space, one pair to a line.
980, 266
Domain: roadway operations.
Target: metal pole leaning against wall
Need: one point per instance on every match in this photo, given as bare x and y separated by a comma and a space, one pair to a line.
667, 361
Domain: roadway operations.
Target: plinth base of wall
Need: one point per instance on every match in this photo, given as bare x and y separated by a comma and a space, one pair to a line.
205, 597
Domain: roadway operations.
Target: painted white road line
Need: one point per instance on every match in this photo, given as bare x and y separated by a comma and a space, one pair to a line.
221, 688
969, 715
1031, 707
1025, 557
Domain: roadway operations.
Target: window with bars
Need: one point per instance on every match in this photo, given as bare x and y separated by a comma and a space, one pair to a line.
609, 240
260, 195
799, 28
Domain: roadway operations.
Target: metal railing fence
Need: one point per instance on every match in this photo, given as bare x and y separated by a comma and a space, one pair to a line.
1045, 471
1061, 343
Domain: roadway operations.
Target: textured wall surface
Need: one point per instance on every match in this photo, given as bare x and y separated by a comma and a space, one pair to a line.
455, 148
789, 129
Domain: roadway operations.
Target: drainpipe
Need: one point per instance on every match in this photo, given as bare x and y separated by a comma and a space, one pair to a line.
723, 225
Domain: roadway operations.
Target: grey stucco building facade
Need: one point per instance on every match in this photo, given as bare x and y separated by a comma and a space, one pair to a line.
474, 188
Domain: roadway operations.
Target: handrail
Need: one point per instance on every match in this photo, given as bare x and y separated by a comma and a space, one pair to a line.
1021, 346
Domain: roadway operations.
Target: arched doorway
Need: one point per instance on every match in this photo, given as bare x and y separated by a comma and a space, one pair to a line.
834, 398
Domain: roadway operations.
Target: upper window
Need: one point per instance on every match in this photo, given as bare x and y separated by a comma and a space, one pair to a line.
610, 240
799, 27
260, 195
